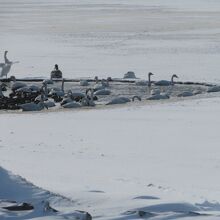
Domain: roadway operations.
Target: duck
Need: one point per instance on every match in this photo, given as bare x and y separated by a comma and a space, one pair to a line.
166, 82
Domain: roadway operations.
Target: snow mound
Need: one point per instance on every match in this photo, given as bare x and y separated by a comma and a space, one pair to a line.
18, 194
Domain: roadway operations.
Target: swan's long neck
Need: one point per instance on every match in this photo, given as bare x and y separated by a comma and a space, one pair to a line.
62, 87
46, 90
103, 82
172, 80
6, 59
136, 97
149, 79
92, 95
41, 104
69, 93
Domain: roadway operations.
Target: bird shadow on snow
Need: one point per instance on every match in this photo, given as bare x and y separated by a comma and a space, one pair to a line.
15, 191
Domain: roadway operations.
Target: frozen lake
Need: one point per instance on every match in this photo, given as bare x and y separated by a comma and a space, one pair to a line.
108, 38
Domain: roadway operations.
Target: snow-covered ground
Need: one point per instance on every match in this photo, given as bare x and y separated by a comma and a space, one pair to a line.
103, 159
163, 157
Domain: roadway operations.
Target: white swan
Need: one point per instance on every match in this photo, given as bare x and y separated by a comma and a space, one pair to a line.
185, 94
69, 97
57, 91
214, 89
159, 96
34, 88
149, 78
24, 90
197, 92
70, 100
123, 100
49, 104
141, 83
32, 106
88, 100
6, 67
102, 85
41, 97
145, 82
83, 82
118, 100
155, 92
166, 82
23, 87
102, 92
72, 96
72, 104
16, 85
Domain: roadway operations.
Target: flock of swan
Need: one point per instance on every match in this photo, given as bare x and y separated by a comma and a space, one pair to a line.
48, 94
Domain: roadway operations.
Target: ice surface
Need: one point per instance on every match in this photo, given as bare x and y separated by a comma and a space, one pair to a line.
109, 38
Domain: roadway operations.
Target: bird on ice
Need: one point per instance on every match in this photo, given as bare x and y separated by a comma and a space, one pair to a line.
6, 66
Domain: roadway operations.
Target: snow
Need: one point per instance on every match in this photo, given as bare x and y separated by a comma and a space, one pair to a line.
113, 162
120, 152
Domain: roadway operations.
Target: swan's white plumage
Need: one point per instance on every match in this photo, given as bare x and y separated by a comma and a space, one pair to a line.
102, 92
72, 104
118, 100
159, 96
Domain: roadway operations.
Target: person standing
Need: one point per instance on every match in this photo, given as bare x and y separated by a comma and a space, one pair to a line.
56, 73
